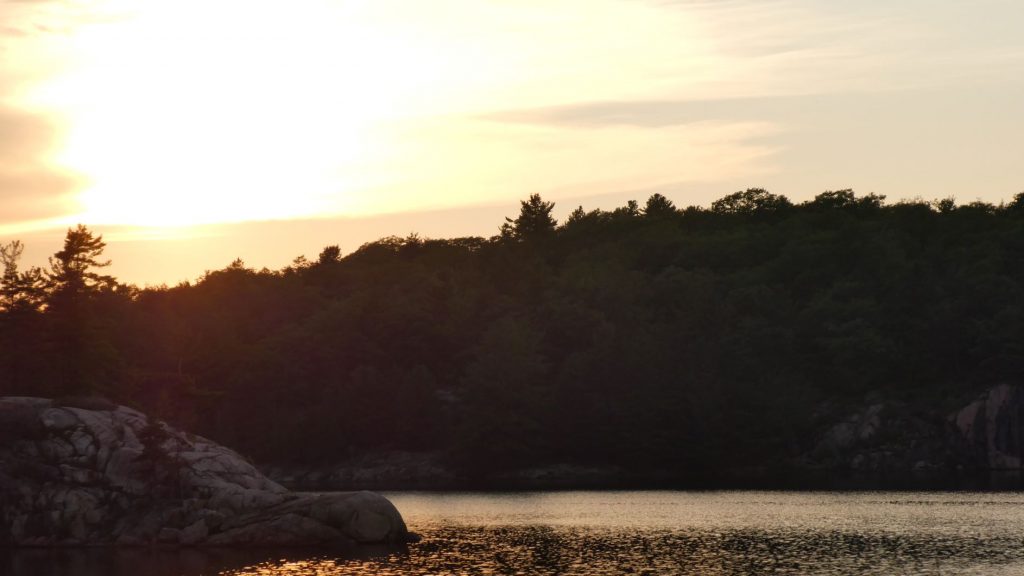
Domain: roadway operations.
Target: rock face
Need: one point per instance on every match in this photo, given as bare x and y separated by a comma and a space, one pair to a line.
95, 474
984, 435
992, 428
886, 437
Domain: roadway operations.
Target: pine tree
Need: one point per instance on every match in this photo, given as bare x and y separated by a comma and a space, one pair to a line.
534, 220
84, 355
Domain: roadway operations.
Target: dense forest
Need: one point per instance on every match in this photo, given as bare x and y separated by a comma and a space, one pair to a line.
649, 337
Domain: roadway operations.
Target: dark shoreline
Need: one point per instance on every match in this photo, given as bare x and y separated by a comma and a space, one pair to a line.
801, 480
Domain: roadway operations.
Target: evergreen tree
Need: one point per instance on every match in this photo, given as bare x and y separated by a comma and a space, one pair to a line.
71, 271
18, 290
82, 349
658, 206
534, 220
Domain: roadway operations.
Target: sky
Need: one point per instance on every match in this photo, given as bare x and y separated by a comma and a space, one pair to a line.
190, 133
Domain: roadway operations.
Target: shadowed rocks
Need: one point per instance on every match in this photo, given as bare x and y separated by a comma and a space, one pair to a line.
110, 475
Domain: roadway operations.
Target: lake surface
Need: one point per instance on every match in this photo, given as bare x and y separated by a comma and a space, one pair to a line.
634, 533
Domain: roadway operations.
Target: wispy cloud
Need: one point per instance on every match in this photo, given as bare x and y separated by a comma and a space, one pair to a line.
639, 113
35, 193
395, 105
785, 47
23, 18
29, 188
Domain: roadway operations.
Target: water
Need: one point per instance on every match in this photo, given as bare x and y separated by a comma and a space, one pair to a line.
634, 533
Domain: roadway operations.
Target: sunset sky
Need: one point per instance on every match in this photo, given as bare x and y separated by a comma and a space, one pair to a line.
191, 132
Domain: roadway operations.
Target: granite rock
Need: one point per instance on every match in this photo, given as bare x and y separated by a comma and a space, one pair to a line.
109, 475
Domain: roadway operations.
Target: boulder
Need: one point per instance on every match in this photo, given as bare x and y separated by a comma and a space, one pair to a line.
99, 474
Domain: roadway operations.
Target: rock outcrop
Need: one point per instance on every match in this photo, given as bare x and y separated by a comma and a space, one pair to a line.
886, 437
983, 436
992, 428
90, 473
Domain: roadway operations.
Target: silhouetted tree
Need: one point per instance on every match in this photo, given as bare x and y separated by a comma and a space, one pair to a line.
630, 210
833, 199
946, 205
658, 206
71, 269
19, 289
329, 255
23, 363
979, 206
534, 220
1017, 204
750, 201
577, 215
82, 348
727, 338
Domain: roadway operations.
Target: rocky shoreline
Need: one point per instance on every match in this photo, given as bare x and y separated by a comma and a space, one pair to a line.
881, 444
87, 473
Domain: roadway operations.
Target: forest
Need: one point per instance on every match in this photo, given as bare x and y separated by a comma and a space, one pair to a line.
648, 337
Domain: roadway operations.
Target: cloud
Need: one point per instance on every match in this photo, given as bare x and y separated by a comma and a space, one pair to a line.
654, 114
26, 19
639, 113
29, 188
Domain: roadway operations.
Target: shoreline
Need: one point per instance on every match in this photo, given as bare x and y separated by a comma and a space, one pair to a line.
565, 477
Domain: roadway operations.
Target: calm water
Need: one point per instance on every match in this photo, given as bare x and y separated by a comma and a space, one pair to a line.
635, 533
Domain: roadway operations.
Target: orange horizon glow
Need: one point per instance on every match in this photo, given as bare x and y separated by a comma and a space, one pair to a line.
178, 114
163, 117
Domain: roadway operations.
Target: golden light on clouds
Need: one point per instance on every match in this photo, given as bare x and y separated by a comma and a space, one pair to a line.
181, 113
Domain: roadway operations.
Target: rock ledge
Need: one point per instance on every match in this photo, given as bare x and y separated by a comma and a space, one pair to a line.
90, 473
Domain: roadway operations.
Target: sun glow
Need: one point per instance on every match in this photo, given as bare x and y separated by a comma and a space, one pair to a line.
184, 113
179, 113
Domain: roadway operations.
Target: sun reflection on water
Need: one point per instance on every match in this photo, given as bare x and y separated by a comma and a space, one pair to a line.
544, 550
625, 533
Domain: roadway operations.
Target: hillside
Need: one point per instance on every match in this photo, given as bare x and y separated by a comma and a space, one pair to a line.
680, 341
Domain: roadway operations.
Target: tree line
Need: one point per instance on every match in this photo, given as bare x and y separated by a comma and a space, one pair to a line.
647, 336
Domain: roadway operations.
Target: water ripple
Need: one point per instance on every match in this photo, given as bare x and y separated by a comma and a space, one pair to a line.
628, 533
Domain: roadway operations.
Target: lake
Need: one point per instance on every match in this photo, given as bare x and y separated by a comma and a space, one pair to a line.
634, 533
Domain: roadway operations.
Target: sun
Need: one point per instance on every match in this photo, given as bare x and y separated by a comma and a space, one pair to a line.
185, 113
